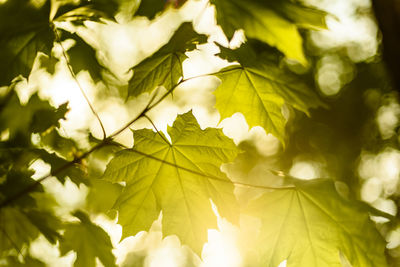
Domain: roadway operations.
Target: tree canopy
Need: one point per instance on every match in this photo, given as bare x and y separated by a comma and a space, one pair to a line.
289, 141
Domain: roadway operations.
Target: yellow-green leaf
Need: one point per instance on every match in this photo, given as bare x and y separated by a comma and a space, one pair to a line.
89, 241
275, 23
177, 178
311, 225
258, 89
164, 68
16, 229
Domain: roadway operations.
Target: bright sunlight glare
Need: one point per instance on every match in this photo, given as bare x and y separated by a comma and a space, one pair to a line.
124, 49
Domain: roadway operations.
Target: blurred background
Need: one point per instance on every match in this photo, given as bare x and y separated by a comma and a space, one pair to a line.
354, 141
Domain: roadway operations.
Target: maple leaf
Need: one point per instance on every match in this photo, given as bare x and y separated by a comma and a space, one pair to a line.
25, 30
165, 66
83, 57
155, 183
258, 89
273, 22
89, 241
311, 225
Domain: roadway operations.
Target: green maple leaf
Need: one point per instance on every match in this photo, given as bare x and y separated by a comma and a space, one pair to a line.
164, 68
82, 56
48, 63
25, 30
20, 226
312, 225
46, 222
16, 180
102, 195
154, 183
15, 229
89, 241
35, 116
302, 16
258, 89
273, 22
18, 152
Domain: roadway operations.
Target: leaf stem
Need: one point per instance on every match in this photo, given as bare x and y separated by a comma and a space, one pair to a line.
158, 132
71, 71
107, 141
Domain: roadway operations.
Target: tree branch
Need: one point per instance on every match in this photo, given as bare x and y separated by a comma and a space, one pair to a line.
106, 141
58, 40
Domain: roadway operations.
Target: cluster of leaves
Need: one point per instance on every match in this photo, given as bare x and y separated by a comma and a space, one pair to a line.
176, 178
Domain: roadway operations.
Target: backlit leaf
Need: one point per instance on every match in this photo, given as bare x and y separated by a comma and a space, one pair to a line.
89, 241
21, 225
258, 89
35, 116
311, 225
154, 183
273, 22
164, 68
25, 30
83, 57
15, 229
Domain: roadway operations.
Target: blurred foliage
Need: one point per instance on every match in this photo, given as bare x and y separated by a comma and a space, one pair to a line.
327, 111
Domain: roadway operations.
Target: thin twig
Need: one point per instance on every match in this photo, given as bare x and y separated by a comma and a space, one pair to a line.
188, 79
33, 186
106, 141
158, 132
58, 39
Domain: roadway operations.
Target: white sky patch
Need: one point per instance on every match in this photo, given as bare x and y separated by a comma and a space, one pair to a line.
393, 239
387, 119
69, 196
221, 250
347, 28
235, 127
168, 255
111, 109
46, 252
384, 166
332, 74
372, 189
41, 169
305, 170
266, 144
